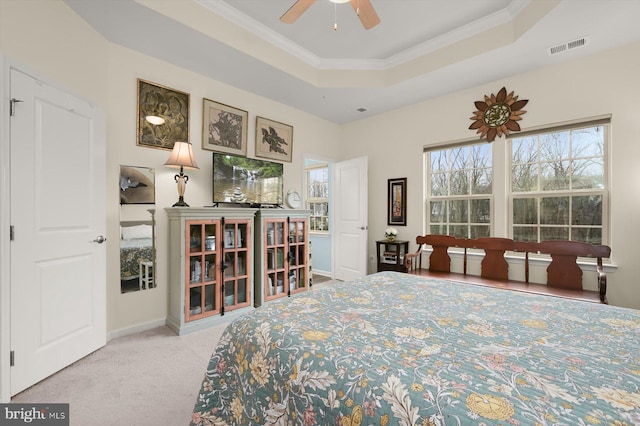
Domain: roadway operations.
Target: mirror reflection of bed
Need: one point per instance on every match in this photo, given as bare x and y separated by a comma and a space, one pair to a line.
137, 228
137, 255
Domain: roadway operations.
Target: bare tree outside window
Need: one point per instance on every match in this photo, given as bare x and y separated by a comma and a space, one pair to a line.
460, 184
318, 197
558, 185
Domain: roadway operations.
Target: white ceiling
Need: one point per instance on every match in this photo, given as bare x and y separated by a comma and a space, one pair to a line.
420, 50
404, 23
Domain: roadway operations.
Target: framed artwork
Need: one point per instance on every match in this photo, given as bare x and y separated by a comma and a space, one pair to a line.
397, 202
163, 116
137, 185
224, 128
274, 140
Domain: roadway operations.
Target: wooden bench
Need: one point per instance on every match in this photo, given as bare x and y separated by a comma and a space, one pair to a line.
564, 275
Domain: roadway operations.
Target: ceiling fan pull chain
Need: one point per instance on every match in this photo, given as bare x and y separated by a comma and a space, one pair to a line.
367, 14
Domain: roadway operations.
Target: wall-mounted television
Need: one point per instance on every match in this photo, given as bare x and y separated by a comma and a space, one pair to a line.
242, 180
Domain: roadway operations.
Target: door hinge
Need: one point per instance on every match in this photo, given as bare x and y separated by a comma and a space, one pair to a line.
12, 358
11, 233
12, 106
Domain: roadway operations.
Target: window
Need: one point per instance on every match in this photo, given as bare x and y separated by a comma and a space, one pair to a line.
550, 184
459, 191
318, 197
558, 185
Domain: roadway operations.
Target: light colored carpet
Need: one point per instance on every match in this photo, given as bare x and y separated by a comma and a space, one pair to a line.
150, 378
147, 378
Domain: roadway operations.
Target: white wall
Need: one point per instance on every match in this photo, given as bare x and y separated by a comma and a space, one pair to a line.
48, 37
605, 83
312, 135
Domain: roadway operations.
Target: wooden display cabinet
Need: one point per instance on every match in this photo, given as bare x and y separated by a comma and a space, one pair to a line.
210, 265
282, 254
391, 255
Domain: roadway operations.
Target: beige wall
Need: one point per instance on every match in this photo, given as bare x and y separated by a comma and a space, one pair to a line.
606, 83
312, 135
47, 37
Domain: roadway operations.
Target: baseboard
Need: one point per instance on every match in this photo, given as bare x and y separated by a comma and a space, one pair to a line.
160, 322
136, 328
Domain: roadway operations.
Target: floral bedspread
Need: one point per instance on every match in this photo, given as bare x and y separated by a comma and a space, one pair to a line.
397, 349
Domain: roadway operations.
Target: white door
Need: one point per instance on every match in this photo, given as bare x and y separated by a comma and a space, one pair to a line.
58, 271
351, 221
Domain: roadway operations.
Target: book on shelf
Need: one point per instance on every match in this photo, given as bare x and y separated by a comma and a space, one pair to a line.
229, 238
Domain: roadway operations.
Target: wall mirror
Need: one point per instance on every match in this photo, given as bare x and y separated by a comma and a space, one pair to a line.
137, 229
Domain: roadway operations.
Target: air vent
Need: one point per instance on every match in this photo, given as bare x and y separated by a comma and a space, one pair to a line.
574, 44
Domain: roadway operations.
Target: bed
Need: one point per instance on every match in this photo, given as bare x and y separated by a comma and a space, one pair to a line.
136, 247
398, 349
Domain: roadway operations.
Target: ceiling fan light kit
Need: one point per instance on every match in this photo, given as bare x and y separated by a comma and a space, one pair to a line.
363, 8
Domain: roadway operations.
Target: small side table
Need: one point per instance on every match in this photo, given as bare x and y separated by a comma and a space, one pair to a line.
391, 255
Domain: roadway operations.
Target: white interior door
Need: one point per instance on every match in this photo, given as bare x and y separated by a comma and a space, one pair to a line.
351, 220
58, 295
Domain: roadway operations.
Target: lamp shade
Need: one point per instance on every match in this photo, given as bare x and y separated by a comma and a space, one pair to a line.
182, 156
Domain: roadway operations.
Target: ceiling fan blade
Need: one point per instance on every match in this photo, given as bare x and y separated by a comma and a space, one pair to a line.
366, 13
297, 9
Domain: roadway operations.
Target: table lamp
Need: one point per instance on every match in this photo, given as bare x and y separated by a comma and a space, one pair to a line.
181, 156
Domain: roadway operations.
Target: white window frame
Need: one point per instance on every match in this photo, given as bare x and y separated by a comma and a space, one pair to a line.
309, 200
501, 222
429, 197
604, 192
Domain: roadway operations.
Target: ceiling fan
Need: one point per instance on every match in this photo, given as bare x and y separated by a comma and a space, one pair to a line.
363, 8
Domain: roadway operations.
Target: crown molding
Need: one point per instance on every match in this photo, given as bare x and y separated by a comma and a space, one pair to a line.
260, 30
501, 17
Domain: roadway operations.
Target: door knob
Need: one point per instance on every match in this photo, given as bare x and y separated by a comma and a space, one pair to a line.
364, 228
100, 239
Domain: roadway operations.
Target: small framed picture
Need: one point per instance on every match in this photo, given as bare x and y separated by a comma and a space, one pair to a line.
224, 128
274, 140
397, 202
163, 116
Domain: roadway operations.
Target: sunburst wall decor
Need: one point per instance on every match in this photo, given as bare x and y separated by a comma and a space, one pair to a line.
498, 115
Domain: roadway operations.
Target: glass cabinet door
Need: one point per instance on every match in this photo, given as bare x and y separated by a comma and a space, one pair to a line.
298, 268
285, 256
202, 257
275, 258
237, 260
